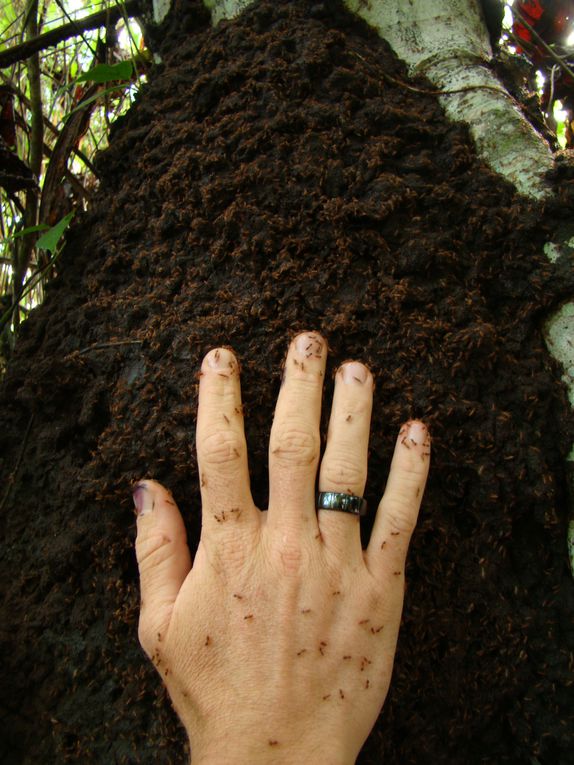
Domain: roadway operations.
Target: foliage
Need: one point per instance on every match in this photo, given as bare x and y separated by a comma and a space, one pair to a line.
56, 108
538, 40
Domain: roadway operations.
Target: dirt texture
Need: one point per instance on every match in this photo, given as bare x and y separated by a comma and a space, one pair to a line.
279, 174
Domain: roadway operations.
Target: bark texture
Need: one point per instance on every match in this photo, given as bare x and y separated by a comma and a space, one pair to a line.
277, 174
447, 41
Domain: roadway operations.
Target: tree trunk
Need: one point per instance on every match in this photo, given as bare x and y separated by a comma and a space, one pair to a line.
283, 171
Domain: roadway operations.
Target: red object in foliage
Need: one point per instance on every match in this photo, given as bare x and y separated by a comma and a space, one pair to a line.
550, 19
15, 175
549, 22
7, 124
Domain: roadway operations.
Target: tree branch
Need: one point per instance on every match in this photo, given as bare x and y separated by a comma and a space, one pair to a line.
23, 252
37, 121
72, 29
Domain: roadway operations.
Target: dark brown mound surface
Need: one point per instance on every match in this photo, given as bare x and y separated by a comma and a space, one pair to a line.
272, 178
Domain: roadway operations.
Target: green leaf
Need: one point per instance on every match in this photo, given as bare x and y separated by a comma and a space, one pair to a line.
108, 72
28, 230
49, 240
102, 93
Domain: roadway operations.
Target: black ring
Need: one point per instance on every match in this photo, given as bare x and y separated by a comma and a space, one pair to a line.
346, 503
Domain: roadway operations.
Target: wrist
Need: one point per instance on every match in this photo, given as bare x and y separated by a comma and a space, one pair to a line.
286, 758
239, 748
273, 755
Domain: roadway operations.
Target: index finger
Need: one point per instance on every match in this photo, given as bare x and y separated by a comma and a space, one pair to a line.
220, 441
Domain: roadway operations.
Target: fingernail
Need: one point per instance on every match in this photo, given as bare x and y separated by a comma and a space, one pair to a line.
216, 358
354, 372
143, 499
418, 432
415, 435
310, 345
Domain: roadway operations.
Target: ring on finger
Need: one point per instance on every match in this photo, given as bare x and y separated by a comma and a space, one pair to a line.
341, 501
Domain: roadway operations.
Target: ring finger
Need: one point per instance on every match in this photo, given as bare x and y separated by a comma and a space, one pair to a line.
344, 464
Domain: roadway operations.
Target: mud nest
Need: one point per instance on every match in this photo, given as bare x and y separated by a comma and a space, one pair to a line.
279, 173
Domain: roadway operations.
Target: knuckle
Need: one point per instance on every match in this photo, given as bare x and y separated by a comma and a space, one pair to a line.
305, 380
221, 448
358, 408
152, 550
400, 514
298, 446
413, 467
291, 559
340, 472
289, 554
228, 553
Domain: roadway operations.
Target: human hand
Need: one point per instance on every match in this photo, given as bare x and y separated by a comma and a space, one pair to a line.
278, 644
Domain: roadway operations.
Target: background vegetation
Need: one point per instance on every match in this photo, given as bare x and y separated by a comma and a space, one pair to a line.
56, 109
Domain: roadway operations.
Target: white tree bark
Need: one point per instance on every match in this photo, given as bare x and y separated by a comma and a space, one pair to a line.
447, 41
226, 9
160, 10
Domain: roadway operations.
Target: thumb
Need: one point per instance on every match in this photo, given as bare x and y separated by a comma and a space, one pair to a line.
163, 559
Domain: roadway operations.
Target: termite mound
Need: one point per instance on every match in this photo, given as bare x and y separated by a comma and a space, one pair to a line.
270, 178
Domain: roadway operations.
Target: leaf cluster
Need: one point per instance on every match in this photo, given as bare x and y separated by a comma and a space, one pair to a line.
56, 108
535, 53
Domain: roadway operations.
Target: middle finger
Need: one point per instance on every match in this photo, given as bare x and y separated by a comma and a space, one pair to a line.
294, 444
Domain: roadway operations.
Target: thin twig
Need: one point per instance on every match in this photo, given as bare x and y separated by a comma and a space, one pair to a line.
55, 36
27, 287
103, 346
80, 32
427, 92
24, 249
14, 473
50, 125
70, 177
466, 89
